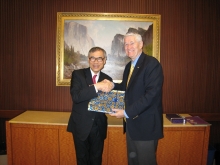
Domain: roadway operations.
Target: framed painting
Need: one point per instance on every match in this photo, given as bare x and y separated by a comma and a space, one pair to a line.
78, 32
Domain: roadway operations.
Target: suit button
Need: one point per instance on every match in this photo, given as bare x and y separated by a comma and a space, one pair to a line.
93, 119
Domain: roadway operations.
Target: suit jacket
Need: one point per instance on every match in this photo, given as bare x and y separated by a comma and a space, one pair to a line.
81, 90
143, 99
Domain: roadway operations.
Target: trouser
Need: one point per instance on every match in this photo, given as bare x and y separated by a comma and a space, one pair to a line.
141, 152
89, 152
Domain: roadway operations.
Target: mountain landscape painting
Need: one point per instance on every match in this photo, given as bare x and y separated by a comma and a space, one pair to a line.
81, 35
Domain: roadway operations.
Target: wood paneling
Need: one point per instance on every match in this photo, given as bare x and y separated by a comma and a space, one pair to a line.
9, 114
4, 116
51, 146
20, 154
189, 52
66, 144
174, 145
116, 147
172, 149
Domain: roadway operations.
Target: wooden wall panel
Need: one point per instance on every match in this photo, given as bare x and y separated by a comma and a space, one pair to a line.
189, 52
66, 144
115, 147
190, 143
174, 145
50, 154
27, 155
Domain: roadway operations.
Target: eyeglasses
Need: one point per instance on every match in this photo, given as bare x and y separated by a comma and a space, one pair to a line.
93, 59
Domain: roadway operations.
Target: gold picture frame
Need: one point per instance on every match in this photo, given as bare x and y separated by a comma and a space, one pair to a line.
77, 32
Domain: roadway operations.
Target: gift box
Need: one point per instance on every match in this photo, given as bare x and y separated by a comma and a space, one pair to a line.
175, 118
106, 101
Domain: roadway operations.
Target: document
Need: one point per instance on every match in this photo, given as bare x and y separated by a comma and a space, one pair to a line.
196, 120
106, 101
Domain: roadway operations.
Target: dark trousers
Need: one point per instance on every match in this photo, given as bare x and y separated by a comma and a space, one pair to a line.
89, 152
141, 152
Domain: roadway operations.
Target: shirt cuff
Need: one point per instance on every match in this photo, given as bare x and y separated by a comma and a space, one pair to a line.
126, 114
113, 85
95, 89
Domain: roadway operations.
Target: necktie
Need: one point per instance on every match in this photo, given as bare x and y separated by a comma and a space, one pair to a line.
129, 76
93, 79
130, 73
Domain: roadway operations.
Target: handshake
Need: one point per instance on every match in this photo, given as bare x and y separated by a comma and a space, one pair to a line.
104, 86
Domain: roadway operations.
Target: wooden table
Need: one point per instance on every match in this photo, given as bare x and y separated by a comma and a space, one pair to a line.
40, 138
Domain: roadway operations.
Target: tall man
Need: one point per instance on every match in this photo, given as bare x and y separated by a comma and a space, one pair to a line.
89, 128
143, 103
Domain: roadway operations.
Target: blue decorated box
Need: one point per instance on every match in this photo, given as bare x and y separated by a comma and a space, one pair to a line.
105, 102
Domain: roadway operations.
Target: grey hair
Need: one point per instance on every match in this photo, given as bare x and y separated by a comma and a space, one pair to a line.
136, 35
94, 49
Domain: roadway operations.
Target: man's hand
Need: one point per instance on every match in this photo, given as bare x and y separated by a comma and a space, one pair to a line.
119, 113
105, 85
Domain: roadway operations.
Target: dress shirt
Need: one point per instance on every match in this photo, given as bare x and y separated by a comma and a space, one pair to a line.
96, 79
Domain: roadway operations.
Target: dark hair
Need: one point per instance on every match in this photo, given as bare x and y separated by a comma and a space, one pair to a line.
94, 49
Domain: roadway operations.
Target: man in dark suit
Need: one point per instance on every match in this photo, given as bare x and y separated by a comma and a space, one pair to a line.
89, 128
143, 103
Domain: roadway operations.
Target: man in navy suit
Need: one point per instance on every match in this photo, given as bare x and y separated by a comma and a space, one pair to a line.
143, 103
89, 128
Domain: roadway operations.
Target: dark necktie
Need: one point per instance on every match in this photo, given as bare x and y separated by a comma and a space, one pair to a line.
93, 79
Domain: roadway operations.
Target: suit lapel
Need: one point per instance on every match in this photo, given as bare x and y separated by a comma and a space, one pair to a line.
88, 76
101, 77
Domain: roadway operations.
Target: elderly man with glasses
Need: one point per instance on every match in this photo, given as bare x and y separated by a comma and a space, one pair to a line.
89, 128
